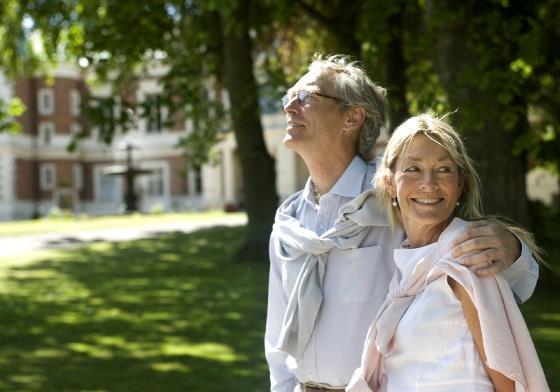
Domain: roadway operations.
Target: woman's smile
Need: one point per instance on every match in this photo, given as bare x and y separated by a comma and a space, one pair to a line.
427, 201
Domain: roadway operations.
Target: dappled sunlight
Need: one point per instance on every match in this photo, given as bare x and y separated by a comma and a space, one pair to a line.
27, 381
67, 318
84, 222
554, 317
170, 313
210, 351
550, 334
169, 367
542, 313
49, 353
93, 351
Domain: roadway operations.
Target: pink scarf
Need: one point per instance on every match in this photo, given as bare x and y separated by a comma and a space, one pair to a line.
507, 342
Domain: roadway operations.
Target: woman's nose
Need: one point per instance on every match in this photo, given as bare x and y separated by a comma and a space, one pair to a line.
429, 180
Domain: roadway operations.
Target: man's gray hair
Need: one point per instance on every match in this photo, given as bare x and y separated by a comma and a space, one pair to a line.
351, 84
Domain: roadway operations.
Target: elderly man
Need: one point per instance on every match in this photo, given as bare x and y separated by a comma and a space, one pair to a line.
331, 249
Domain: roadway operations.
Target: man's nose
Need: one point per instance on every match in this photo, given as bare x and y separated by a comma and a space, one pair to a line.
292, 105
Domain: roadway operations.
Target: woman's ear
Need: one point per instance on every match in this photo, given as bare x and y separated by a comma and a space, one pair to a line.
355, 117
390, 185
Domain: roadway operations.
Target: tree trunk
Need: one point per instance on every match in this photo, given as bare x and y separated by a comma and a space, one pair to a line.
480, 117
395, 69
340, 21
259, 178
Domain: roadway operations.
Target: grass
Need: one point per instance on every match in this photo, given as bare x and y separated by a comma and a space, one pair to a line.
171, 313
86, 222
542, 314
163, 314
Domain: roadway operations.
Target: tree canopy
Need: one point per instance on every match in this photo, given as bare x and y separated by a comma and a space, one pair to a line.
494, 63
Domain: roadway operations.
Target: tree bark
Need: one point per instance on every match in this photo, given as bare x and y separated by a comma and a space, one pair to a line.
341, 24
480, 112
396, 66
259, 178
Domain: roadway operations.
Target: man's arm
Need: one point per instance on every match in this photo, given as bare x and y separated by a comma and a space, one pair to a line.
489, 248
281, 379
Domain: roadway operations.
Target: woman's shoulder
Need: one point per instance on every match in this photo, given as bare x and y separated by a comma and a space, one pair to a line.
452, 231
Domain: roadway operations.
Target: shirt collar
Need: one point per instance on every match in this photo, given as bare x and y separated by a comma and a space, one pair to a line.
350, 183
308, 192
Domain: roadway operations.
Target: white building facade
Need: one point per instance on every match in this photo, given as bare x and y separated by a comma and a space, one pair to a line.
38, 175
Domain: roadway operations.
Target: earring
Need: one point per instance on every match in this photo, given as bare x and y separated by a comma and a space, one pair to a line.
395, 204
457, 204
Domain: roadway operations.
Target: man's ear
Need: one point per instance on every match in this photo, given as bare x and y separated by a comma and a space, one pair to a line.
355, 117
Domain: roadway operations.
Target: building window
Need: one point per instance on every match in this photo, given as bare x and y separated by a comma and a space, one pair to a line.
46, 132
78, 176
107, 188
45, 99
47, 176
75, 102
155, 185
154, 113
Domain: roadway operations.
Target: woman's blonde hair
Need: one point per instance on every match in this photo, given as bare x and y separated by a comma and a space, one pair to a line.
442, 133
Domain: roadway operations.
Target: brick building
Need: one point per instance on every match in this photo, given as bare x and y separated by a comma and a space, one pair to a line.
38, 174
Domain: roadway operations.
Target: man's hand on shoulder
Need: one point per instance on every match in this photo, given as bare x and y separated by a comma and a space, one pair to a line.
487, 248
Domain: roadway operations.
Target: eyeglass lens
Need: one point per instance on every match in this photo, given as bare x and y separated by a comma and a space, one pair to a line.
301, 97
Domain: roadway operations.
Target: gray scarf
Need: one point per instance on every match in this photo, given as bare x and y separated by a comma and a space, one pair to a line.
295, 243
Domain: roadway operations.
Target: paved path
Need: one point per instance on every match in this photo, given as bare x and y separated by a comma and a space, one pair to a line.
14, 245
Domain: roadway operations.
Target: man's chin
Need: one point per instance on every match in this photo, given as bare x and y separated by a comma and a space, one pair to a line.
288, 140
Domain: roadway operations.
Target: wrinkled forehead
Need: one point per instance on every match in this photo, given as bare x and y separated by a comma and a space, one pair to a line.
313, 81
424, 147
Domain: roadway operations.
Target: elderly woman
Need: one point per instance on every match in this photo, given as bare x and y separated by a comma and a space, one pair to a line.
441, 328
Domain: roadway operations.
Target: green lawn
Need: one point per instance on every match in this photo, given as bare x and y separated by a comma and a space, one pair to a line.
86, 222
166, 314
542, 313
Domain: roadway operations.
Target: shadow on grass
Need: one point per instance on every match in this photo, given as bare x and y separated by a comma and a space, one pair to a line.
164, 314
170, 313
542, 314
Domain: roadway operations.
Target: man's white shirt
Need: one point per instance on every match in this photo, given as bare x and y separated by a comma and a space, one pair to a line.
355, 284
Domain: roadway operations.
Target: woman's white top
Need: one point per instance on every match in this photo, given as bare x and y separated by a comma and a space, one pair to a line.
433, 346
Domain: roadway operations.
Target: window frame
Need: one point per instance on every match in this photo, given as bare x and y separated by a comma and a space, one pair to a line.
42, 93
42, 134
44, 184
75, 102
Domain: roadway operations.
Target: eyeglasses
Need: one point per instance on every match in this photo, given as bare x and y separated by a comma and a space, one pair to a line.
303, 97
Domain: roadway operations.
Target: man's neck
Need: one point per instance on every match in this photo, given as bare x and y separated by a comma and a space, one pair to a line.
326, 172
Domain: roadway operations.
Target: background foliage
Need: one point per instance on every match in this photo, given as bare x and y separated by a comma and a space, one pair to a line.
494, 62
